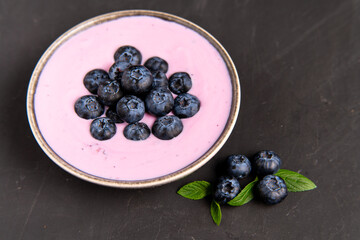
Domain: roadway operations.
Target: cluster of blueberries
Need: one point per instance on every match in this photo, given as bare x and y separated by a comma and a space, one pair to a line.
271, 188
129, 89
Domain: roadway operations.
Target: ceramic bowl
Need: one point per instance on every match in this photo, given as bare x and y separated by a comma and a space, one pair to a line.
48, 146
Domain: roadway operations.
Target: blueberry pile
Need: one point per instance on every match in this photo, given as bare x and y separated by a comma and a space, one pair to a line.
129, 90
271, 189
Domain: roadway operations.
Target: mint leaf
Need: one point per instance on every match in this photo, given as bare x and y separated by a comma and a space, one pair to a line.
215, 212
245, 196
295, 182
195, 190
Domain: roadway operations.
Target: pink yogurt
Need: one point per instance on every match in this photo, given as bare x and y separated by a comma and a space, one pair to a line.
61, 84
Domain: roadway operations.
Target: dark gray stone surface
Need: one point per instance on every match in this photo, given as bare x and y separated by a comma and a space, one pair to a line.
299, 63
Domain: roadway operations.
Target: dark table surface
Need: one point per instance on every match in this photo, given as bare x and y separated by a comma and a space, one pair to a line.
299, 64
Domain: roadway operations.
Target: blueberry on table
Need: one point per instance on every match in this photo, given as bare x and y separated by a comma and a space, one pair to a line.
88, 107
136, 80
130, 108
137, 131
128, 54
272, 189
159, 102
186, 105
167, 127
110, 93
102, 128
266, 162
226, 189
112, 114
238, 166
159, 80
117, 69
180, 82
156, 64
94, 78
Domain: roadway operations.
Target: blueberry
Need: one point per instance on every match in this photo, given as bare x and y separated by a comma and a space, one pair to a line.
112, 114
130, 109
136, 80
94, 78
180, 82
117, 69
238, 166
88, 107
156, 64
267, 162
128, 54
186, 105
167, 127
109, 93
159, 102
272, 189
137, 131
226, 189
160, 80
102, 128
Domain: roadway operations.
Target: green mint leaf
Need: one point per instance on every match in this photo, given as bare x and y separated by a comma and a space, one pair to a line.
195, 190
215, 212
245, 196
295, 182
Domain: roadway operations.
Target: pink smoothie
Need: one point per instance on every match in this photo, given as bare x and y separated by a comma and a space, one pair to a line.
61, 84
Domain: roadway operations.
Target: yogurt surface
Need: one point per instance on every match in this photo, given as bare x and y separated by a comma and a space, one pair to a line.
61, 84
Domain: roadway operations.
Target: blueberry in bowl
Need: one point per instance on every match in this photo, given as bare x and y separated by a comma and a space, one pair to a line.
266, 162
136, 80
128, 54
186, 105
238, 166
159, 80
180, 82
109, 93
102, 128
272, 189
112, 114
117, 69
137, 131
94, 78
155, 64
159, 102
130, 108
167, 127
89, 107
226, 189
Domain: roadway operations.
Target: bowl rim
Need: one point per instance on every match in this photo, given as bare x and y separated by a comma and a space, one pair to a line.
235, 105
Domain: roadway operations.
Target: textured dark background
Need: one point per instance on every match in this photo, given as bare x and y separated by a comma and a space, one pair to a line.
299, 63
